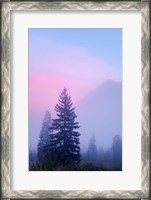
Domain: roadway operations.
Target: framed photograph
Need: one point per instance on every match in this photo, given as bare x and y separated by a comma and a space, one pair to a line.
75, 109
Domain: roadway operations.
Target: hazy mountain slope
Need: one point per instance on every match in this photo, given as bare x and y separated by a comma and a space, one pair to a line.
100, 113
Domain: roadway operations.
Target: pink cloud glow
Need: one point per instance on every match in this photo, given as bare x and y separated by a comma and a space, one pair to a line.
45, 89
59, 65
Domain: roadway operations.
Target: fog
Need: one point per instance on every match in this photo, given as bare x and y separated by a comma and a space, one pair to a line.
100, 114
100, 118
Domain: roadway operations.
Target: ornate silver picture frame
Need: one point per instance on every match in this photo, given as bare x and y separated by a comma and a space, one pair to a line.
6, 159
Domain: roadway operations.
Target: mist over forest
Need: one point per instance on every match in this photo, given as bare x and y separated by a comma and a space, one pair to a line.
96, 129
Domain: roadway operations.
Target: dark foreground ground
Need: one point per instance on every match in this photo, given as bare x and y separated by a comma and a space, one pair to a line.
82, 167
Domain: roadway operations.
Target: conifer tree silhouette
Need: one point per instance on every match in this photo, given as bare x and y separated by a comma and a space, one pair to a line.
64, 141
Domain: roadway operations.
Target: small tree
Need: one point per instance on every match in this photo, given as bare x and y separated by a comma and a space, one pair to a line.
117, 151
44, 140
92, 153
64, 142
108, 157
101, 155
32, 158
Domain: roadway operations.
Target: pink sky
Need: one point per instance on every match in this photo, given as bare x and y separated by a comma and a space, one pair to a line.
45, 89
71, 67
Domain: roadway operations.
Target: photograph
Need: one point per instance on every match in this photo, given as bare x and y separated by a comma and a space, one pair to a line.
75, 99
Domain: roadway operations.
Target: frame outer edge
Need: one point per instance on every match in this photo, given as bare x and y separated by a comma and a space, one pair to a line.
5, 170
6, 8
145, 138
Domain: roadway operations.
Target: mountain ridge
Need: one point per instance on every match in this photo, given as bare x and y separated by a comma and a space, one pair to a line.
100, 114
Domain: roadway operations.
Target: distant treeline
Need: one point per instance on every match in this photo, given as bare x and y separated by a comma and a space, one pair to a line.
94, 159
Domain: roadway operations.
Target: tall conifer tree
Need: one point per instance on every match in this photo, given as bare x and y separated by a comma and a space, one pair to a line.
64, 141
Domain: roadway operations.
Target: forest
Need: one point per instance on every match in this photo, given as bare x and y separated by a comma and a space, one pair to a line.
59, 148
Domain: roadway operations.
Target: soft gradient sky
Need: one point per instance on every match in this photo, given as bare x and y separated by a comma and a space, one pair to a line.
78, 59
